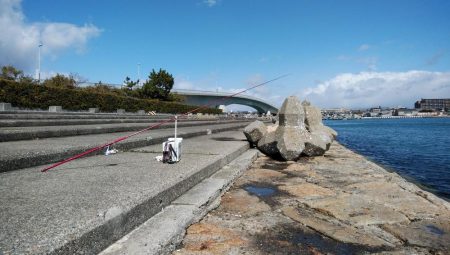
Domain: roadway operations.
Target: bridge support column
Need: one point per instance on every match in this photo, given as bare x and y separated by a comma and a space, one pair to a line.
222, 107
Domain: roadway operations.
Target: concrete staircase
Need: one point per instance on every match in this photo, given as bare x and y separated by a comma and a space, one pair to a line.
86, 205
32, 143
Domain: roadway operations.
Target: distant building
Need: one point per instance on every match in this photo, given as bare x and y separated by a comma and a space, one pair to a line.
433, 104
375, 110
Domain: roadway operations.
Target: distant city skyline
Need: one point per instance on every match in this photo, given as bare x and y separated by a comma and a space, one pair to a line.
350, 53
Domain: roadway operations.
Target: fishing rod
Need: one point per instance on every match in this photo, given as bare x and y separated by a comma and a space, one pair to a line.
157, 125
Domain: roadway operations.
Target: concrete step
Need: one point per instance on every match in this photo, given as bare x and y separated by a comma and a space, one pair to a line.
20, 154
86, 205
28, 133
162, 233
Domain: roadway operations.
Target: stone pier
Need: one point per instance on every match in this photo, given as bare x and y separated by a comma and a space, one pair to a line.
340, 203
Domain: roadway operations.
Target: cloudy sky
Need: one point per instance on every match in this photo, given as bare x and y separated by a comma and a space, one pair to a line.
347, 53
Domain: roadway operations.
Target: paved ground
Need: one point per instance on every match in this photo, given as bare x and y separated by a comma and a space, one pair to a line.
337, 204
85, 205
21, 154
165, 231
8, 134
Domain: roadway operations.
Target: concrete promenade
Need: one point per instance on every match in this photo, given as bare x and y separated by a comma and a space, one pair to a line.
8, 134
84, 206
128, 203
337, 204
27, 153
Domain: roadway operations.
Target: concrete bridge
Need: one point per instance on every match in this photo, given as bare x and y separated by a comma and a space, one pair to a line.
198, 97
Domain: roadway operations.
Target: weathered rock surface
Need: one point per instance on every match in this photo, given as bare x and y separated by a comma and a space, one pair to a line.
338, 204
290, 141
268, 145
291, 113
255, 131
300, 131
317, 144
291, 132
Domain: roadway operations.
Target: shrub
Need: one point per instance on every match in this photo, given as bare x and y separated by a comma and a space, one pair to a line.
61, 81
30, 95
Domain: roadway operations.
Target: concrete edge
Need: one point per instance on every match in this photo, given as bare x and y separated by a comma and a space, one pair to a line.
28, 160
162, 233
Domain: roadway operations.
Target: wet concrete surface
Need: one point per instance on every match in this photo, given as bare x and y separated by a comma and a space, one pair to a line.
340, 203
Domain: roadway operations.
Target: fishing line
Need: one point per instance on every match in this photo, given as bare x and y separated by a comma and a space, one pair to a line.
158, 124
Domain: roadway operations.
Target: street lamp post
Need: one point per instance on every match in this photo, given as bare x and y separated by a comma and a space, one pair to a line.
39, 62
139, 73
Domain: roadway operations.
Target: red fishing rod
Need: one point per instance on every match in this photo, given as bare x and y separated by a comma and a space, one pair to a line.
157, 125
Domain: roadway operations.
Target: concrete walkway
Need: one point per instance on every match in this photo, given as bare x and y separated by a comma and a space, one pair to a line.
337, 204
86, 205
20, 154
8, 134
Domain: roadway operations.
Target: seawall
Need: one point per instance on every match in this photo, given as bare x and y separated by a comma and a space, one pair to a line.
340, 203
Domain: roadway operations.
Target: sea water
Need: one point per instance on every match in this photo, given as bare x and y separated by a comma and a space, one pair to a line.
415, 148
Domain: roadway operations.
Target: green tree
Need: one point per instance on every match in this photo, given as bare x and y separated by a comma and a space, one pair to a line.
61, 81
158, 85
129, 83
11, 73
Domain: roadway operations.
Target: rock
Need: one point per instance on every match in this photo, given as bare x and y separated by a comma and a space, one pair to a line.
317, 145
331, 131
291, 133
300, 131
255, 131
431, 233
307, 191
268, 145
291, 113
272, 128
290, 141
340, 232
313, 120
322, 136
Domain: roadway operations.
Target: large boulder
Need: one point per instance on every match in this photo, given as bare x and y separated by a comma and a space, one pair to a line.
300, 131
313, 120
290, 141
291, 132
268, 146
291, 113
255, 131
317, 144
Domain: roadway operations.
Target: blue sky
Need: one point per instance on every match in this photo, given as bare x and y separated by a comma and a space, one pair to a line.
339, 53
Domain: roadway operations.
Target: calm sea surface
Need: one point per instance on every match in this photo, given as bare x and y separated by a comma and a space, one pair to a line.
418, 149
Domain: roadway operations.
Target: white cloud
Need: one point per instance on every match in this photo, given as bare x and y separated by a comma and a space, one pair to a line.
369, 89
19, 39
363, 47
210, 3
